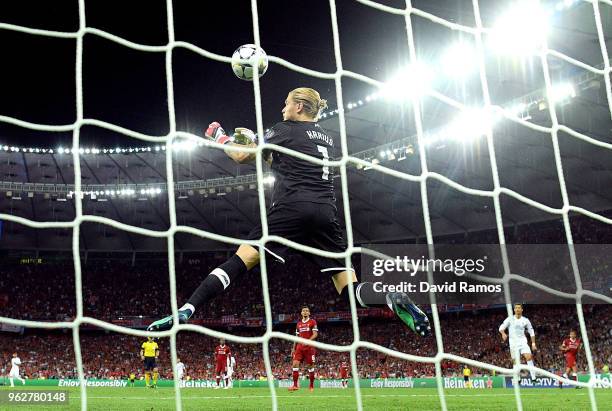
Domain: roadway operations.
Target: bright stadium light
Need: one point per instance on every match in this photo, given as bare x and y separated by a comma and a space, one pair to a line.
372, 97
521, 30
269, 180
412, 80
470, 124
518, 109
458, 60
184, 145
565, 4
561, 92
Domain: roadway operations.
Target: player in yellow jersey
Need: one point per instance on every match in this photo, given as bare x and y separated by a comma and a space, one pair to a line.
466, 376
132, 379
149, 352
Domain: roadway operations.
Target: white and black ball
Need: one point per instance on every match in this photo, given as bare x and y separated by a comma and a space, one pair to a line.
245, 58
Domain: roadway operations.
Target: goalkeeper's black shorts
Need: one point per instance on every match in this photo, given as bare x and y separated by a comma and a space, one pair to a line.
149, 363
312, 224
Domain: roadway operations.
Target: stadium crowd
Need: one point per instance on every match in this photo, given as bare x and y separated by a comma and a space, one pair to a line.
114, 288
471, 334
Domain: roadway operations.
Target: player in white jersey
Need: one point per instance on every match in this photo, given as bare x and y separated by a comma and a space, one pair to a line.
231, 365
180, 369
14, 373
516, 326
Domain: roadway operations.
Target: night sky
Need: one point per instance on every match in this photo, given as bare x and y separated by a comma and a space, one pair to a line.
127, 87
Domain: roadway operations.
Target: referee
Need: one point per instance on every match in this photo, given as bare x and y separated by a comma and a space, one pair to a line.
466, 376
149, 352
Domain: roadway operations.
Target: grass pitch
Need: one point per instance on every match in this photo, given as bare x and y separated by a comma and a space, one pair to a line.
144, 399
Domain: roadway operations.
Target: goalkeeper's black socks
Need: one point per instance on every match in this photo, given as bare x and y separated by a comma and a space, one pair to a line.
363, 292
215, 282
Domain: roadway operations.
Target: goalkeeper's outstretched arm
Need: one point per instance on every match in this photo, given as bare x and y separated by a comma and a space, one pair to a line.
241, 157
243, 137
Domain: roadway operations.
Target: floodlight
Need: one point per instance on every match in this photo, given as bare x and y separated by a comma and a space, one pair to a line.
412, 80
459, 60
470, 124
561, 92
521, 30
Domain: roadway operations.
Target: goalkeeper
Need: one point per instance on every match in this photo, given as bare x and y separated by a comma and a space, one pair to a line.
303, 210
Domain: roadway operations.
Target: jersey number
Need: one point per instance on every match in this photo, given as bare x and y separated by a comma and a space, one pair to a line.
323, 151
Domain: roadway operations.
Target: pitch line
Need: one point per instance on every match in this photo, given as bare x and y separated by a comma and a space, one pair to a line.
311, 396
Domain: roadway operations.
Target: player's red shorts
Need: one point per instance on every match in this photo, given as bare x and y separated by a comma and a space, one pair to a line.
570, 361
304, 353
221, 367
344, 374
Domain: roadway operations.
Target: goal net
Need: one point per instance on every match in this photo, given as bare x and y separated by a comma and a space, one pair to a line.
478, 33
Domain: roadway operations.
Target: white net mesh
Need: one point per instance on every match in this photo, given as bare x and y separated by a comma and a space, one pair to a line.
477, 32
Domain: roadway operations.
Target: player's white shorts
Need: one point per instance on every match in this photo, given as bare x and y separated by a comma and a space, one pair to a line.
179, 375
14, 374
519, 348
229, 372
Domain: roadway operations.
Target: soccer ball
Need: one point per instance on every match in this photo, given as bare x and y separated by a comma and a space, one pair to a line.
245, 57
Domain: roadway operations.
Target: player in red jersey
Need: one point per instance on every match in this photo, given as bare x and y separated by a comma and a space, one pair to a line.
222, 352
344, 374
305, 328
570, 347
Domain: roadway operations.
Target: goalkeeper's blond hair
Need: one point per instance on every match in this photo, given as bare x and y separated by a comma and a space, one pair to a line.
310, 99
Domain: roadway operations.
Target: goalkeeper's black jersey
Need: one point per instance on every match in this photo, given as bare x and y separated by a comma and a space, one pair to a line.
297, 179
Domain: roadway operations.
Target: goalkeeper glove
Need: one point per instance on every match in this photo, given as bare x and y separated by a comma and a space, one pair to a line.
216, 133
244, 136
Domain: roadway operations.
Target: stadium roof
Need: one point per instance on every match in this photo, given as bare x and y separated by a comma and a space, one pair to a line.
216, 195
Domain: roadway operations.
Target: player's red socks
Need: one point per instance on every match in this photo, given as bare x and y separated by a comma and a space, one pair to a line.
311, 376
296, 375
